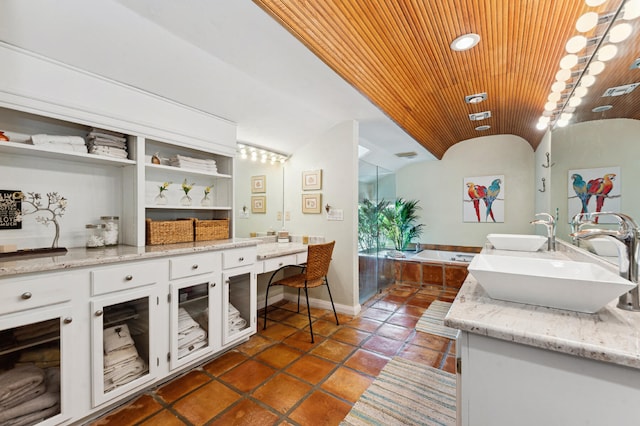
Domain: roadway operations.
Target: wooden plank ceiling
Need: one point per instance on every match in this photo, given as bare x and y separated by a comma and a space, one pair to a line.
397, 54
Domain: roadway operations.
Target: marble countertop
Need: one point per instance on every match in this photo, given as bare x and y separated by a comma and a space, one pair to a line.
269, 250
610, 335
80, 257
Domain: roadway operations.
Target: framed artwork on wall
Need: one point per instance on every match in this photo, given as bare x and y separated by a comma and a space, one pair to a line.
258, 184
483, 199
594, 190
312, 203
258, 204
312, 180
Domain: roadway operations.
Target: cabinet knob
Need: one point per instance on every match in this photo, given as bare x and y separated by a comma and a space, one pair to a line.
213, 284
128, 277
281, 263
67, 320
98, 313
26, 296
194, 266
241, 259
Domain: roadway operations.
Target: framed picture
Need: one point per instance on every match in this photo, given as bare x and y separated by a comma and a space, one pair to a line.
483, 199
312, 180
258, 204
258, 184
594, 190
312, 203
10, 209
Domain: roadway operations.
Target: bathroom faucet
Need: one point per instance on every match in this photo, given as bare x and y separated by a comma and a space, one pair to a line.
550, 223
627, 238
577, 222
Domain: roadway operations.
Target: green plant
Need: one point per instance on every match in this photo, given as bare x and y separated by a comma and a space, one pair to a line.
369, 215
398, 222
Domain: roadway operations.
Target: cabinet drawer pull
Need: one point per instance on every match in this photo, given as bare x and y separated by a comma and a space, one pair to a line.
194, 266
241, 259
281, 263
68, 320
98, 313
128, 277
213, 284
26, 296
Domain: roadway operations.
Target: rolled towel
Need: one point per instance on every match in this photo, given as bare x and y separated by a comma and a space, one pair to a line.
55, 139
117, 337
120, 356
19, 383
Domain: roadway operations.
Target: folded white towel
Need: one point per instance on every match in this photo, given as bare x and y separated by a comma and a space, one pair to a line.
185, 322
194, 336
120, 356
191, 348
106, 142
20, 383
32, 405
63, 147
117, 337
109, 151
125, 374
33, 418
55, 139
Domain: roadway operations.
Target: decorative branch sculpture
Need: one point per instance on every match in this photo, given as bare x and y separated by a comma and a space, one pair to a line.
56, 206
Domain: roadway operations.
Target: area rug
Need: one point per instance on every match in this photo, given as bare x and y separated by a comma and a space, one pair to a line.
406, 393
432, 320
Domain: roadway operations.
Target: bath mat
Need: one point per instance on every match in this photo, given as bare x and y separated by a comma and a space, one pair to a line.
406, 393
432, 320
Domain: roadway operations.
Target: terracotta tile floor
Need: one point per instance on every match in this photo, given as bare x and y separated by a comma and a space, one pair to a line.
279, 377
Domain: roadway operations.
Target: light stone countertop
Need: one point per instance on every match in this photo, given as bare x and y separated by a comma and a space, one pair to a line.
270, 250
610, 335
82, 257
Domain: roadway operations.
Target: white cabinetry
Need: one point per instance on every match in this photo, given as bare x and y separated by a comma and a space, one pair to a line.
238, 295
195, 300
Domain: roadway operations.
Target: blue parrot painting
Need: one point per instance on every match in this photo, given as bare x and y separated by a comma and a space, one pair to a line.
580, 188
492, 193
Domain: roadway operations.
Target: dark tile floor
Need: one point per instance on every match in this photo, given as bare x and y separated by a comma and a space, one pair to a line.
278, 377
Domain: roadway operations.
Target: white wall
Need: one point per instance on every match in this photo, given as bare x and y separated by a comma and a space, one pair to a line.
336, 153
603, 143
439, 187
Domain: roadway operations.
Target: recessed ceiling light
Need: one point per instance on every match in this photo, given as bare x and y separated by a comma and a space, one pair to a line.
475, 99
602, 108
587, 22
483, 128
465, 42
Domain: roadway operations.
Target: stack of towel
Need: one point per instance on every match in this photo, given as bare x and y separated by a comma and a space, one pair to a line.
236, 322
193, 163
40, 330
28, 395
190, 335
59, 143
107, 143
122, 363
42, 357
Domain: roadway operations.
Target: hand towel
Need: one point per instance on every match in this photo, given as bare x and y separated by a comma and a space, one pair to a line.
117, 337
18, 382
120, 356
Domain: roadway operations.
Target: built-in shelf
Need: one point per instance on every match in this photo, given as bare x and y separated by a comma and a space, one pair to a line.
182, 171
34, 150
31, 343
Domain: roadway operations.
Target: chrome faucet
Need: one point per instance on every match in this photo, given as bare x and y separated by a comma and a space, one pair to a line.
550, 223
627, 239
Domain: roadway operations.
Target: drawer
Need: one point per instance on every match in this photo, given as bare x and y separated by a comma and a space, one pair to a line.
26, 294
301, 258
238, 257
127, 276
189, 266
277, 262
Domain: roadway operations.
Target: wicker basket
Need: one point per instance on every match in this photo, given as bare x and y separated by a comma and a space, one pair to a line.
206, 230
169, 231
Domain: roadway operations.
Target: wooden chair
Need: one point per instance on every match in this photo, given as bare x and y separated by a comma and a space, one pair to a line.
312, 274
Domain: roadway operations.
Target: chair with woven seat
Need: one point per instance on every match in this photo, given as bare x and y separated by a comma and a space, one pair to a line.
312, 274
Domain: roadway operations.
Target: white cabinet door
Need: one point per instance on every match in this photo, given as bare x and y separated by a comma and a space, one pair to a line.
124, 356
238, 304
46, 334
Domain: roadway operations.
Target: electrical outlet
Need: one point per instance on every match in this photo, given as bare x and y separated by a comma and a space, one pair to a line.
287, 216
279, 216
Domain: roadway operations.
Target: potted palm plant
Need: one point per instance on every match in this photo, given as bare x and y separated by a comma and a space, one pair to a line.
398, 222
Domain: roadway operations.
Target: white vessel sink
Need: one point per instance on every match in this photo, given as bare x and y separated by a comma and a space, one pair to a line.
519, 242
602, 246
562, 284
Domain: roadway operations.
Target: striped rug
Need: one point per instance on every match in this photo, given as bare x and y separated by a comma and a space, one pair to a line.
432, 320
406, 393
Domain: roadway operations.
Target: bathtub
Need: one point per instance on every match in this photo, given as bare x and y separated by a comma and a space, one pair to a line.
441, 256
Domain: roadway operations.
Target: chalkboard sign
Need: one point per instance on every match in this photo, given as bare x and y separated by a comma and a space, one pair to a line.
10, 208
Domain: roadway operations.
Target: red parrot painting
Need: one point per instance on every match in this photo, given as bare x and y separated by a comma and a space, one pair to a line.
600, 189
477, 193
480, 193
599, 186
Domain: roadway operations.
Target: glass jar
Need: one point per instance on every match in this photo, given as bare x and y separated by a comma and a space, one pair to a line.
110, 230
94, 236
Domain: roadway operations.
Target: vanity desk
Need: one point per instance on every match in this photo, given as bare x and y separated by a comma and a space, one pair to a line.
272, 256
531, 365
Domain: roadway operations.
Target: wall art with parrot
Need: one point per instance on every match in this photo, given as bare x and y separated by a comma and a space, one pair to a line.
594, 190
483, 199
